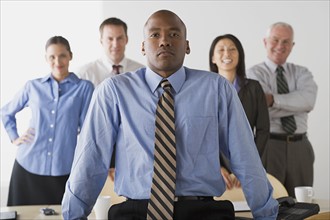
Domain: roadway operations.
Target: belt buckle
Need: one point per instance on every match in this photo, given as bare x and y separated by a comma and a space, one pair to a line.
288, 137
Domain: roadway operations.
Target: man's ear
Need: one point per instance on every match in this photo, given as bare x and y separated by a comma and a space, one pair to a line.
142, 49
187, 47
265, 42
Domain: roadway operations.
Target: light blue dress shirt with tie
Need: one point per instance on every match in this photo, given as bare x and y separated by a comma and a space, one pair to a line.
209, 119
58, 111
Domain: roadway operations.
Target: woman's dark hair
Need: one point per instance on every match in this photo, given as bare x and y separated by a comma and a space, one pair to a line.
240, 69
59, 40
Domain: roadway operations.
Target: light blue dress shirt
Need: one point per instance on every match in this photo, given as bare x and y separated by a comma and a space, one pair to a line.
209, 119
58, 111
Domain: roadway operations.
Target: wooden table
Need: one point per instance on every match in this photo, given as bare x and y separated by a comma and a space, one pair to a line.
323, 203
33, 212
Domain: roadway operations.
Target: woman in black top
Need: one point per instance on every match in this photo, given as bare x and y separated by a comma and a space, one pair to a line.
226, 58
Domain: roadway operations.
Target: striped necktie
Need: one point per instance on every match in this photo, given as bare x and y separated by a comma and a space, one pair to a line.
288, 122
161, 203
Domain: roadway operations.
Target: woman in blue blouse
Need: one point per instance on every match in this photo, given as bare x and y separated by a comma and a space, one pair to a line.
58, 102
226, 58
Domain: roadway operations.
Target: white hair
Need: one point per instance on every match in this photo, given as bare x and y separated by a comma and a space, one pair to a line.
281, 24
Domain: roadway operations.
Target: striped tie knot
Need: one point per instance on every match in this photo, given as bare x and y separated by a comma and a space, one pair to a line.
166, 85
280, 69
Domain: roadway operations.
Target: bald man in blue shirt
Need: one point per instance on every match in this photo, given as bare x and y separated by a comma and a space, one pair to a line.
209, 119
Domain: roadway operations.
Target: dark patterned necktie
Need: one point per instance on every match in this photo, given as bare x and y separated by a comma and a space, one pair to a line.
116, 69
288, 122
161, 203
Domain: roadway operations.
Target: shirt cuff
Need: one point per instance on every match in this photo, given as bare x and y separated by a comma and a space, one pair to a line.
13, 135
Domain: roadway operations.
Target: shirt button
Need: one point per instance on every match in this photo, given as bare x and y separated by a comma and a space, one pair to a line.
55, 100
50, 139
51, 126
49, 153
53, 111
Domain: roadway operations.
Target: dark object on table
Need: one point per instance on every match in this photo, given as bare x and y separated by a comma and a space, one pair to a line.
48, 211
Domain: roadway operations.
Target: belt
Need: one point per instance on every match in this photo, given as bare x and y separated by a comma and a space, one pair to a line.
186, 198
287, 138
181, 198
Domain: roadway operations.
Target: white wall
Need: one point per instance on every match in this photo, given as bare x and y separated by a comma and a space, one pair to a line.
25, 27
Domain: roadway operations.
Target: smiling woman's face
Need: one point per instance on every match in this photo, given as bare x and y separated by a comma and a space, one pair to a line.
225, 55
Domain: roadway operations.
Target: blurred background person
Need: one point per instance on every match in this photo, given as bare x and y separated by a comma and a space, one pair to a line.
58, 102
113, 38
291, 94
226, 57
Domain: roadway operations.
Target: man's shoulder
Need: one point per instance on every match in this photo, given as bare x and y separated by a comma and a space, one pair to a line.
204, 77
296, 67
123, 81
134, 74
133, 65
137, 74
90, 66
199, 72
259, 70
94, 71
259, 66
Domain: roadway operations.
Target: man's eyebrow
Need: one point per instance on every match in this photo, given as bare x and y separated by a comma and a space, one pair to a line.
171, 29
154, 29
176, 29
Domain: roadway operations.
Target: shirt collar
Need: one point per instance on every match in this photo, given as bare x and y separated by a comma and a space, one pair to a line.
272, 66
123, 62
176, 79
71, 78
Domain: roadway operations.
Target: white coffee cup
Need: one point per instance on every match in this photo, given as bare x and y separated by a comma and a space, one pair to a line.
102, 206
304, 193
